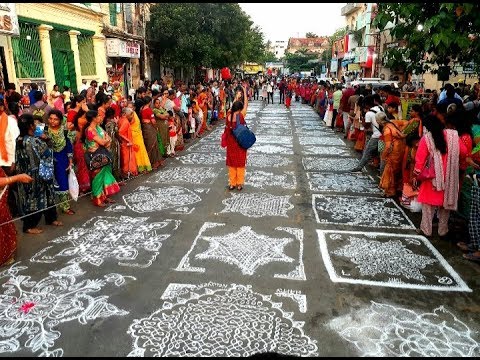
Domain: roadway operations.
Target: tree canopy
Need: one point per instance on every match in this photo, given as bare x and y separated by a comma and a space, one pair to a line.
311, 35
299, 61
203, 34
435, 33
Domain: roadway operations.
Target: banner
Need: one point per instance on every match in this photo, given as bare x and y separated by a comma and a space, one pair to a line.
407, 105
8, 19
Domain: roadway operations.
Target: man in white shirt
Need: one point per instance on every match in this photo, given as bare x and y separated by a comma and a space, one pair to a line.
9, 127
372, 102
84, 86
270, 91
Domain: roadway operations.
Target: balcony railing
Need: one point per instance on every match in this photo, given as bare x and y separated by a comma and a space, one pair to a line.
349, 8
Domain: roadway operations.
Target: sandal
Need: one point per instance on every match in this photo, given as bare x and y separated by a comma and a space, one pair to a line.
231, 187
239, 187
69, 212
472, 257
34, 231
109, 201
420, 232
57, 223
9, 262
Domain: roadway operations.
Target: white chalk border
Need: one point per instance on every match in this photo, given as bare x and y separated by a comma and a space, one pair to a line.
461, 285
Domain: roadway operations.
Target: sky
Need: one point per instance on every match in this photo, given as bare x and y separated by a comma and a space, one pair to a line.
280, 21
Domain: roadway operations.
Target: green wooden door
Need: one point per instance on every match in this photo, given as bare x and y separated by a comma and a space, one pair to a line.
63, 62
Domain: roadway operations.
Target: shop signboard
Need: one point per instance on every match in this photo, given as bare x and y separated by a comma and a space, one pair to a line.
120, 48
8, 19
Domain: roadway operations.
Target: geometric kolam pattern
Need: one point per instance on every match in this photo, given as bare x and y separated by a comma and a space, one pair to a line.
147, 199
383, 330
189, 175
212, 158
258, 204
328, 164
131, 241
261, 179
31, 311
345, 183
390, 260
363, 211
219, 320
246, 250
264, 160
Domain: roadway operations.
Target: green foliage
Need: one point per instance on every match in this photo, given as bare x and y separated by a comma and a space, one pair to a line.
310, 35
450, 33
299, 61
203, 34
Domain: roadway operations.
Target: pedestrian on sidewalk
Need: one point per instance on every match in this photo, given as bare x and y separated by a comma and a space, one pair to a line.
270, 92
127, 146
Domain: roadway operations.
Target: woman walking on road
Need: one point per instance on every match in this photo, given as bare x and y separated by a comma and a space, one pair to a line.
236, 155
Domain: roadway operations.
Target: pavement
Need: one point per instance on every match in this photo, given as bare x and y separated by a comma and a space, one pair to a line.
306, 260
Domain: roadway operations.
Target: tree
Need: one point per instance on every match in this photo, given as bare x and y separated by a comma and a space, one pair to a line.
436, 34
299, 61
203, 34
311, 35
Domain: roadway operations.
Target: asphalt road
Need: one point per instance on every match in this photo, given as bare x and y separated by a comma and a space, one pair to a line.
306, 260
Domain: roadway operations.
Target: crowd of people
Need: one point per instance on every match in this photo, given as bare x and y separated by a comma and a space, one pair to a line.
427, 159
92, 142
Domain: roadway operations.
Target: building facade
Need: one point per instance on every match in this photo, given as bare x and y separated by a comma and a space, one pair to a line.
57, 43
312, 45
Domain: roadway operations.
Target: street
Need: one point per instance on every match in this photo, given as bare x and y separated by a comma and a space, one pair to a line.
306, 260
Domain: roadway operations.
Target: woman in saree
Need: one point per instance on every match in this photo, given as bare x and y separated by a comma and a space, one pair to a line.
8, 232
38, 196
103, 181
150, 132
63, 159
202, 103
141, 156
111, 127
79, 122
127, 147
414, 125
104, 102
391, 181
161, 120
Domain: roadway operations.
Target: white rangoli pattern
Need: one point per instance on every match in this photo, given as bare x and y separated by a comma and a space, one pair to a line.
355, 183
383, 330
328, 164
247, 250
325, 140
327, 150
285, 149
202, 158
359, 211
269, 139
220, 320
265, 160
189, 175
131, 241
261, 131
146, 199
207, 147
258, 205
392, 258
384, 259
262, 179
32, 311
296, 296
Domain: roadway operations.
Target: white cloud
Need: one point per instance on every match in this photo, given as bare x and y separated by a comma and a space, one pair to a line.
282, 21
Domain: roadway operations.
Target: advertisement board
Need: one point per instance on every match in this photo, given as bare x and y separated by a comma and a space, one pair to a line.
8, 19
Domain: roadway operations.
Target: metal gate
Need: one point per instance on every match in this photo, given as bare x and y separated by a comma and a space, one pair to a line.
63, 61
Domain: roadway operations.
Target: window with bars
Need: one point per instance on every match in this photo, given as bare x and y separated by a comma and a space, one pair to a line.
113, 13
87, 55
26, 52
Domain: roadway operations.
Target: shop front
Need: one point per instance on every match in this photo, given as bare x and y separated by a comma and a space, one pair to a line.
123, 59
8, 28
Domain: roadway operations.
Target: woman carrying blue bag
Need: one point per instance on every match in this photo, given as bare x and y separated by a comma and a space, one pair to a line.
236, 155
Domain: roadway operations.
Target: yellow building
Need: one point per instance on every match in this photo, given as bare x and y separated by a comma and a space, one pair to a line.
58, 43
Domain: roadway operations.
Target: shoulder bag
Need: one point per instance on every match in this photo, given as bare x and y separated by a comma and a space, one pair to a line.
244, 136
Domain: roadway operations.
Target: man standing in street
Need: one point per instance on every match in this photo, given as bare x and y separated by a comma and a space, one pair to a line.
345, 107
281, 87
270, 91
372, 104
337, 95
